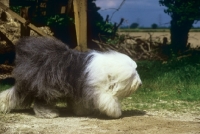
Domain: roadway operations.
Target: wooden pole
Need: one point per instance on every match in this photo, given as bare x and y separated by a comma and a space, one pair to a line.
80, 13
25, 30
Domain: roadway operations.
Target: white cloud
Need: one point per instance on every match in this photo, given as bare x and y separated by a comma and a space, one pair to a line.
141, 4
129, 4
107, 4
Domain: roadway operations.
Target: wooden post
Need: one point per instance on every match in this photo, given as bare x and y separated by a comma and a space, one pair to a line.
25, 30
80, 13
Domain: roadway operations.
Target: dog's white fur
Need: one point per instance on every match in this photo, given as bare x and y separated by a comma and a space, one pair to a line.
113, 76
107, 77
8, 100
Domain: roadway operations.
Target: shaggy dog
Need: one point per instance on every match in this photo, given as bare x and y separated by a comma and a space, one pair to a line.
47, 70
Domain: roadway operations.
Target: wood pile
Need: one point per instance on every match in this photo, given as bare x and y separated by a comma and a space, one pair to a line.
137, 48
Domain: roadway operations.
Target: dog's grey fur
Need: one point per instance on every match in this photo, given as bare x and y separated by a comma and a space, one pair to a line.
47, 70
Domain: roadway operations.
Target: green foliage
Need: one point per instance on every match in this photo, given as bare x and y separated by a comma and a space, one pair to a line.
154, 26
58, 20
105, 28
16, 9
5, 84
134, 25
118, 39
185, 10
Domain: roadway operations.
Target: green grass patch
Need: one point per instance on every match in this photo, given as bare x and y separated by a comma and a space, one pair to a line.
172, 85
5, 84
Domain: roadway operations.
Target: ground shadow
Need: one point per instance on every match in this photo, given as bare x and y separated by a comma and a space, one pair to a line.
135, 112
67, 112
128, 113
63, 111
28, 111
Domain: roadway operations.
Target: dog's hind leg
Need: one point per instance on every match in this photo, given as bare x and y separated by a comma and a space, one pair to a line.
43, 109
9, 99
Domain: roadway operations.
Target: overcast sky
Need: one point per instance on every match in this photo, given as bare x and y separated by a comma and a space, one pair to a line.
144, 12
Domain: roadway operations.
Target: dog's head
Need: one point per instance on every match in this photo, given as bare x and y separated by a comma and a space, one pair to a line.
128, 86
124, 78
114, 73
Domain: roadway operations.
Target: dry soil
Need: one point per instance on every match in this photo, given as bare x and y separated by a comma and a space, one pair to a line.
131, 122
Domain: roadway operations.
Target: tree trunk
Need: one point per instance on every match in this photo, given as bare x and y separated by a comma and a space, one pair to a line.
179, 33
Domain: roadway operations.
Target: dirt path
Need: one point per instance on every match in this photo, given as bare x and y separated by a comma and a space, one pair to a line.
137, 122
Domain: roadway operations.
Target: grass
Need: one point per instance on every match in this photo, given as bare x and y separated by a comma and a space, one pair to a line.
173, 85
5, 84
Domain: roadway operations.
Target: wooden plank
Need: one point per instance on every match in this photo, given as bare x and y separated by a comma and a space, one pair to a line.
77, 20
80, 13
83, 24
22, 20
63, 10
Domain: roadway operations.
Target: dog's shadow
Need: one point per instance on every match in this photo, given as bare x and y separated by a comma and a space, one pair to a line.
28, 111
129, 113
63, 111
134, 112
66, 112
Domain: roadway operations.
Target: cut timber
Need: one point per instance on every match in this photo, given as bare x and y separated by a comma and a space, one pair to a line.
80, 13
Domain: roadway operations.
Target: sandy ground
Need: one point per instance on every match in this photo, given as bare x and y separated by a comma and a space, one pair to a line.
193, 39
131, 122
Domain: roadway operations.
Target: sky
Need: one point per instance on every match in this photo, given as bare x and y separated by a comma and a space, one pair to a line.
143, 12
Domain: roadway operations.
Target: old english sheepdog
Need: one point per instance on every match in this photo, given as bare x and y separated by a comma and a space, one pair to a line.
47, 70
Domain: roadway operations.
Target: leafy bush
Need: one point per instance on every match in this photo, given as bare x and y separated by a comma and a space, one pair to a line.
16, 9
134, 25
58, 20
154, 26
